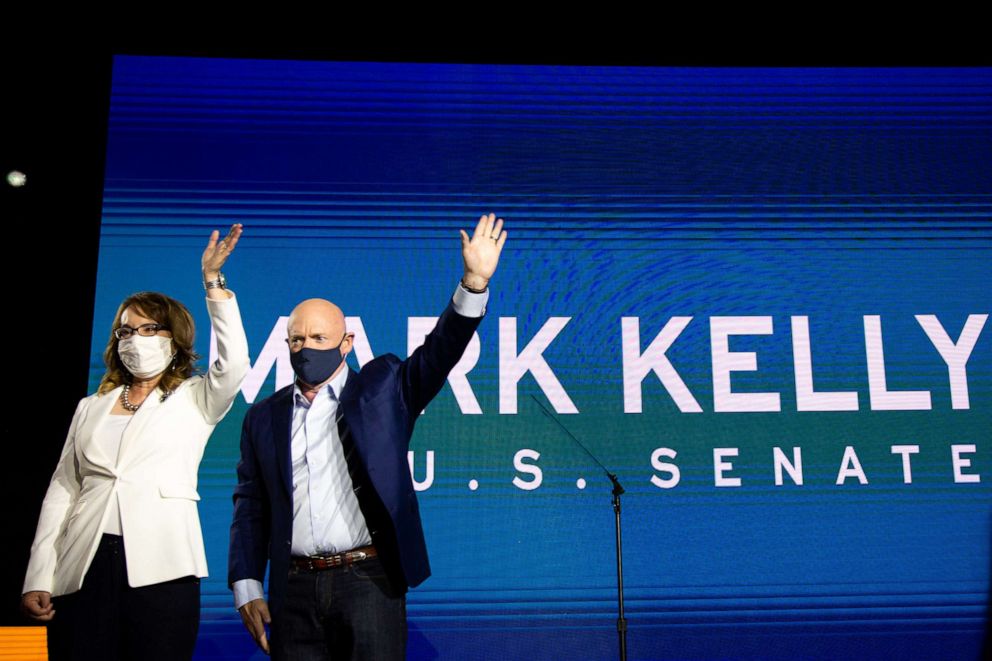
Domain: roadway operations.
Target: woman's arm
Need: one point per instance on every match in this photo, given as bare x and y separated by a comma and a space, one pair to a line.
224, 377
63, 492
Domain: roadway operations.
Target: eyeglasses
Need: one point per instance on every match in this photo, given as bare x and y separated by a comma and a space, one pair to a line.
144, 330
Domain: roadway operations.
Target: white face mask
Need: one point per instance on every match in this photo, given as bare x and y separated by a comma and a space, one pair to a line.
146, 357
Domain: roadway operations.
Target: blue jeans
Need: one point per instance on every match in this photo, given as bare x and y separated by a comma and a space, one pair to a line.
342, 613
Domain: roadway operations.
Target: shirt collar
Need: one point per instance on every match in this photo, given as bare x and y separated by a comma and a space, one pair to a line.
333, 388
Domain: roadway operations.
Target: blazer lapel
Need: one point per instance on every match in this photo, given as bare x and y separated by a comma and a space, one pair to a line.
91, 452
282, 432
350, 421
350, 430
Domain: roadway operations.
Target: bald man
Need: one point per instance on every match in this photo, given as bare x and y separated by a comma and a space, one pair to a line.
324, 493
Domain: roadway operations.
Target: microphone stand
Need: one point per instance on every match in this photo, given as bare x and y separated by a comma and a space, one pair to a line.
618, 490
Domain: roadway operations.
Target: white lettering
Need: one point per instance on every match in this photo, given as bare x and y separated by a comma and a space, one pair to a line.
905, 451
883, 399
850, 466
726, 361
428, 478
512, 366
794, 469
806, 398
664, 466
960, 463
360, 347
636, 365
955, 354
529, 469
274, 352
720, 467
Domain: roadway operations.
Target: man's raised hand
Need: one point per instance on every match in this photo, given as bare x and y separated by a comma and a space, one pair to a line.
481, 252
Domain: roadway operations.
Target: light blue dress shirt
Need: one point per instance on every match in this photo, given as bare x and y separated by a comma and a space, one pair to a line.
326, 515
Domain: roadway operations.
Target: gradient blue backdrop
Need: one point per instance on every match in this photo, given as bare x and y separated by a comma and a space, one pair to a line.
627, 192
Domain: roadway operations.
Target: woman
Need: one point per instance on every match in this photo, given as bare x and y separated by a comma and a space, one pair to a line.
117, 558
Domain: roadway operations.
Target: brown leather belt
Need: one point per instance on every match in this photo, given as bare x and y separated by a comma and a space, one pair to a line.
322, 562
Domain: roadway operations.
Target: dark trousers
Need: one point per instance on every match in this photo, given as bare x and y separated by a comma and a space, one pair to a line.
111, 621
342, 613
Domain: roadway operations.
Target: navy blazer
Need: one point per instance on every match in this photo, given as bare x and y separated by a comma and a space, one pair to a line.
380, 405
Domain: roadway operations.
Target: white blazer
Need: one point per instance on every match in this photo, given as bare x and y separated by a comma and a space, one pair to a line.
154, 476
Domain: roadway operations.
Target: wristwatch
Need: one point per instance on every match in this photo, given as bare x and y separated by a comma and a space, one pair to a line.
469, 289
219, 283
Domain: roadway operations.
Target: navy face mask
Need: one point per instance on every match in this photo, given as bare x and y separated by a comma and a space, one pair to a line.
314, 366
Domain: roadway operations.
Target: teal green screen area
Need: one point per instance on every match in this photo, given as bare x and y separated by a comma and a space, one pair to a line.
737, 205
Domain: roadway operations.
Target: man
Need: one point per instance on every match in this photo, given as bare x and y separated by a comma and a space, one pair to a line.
324, 490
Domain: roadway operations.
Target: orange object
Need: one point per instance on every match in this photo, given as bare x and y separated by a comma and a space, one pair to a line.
23, 643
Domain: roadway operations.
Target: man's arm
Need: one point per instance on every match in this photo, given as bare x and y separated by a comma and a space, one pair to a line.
250, 531
425, 371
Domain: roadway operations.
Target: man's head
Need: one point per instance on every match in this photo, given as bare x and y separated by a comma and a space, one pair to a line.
317, 326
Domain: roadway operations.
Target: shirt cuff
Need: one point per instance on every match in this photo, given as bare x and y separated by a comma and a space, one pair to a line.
245, 590
468, 304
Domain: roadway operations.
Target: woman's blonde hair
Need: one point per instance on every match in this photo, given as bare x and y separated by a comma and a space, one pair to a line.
171, 314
